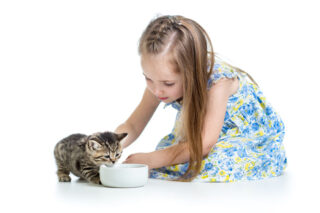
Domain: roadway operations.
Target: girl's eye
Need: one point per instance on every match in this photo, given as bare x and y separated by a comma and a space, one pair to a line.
169, 85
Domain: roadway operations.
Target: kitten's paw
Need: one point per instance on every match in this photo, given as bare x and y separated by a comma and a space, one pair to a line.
96, 180
64, 178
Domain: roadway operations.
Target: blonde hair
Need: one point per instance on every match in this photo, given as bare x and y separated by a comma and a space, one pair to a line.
192, 55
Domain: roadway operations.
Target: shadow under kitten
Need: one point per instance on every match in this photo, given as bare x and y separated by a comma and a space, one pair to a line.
82, 155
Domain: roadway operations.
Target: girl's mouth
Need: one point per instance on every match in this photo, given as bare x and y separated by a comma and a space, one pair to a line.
163, 98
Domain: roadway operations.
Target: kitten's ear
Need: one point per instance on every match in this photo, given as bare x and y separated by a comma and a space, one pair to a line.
94, 145
121, 136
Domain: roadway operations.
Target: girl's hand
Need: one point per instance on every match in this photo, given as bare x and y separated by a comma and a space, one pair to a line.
141, 158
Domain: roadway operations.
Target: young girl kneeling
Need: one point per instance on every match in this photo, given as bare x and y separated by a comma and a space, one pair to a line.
225, 129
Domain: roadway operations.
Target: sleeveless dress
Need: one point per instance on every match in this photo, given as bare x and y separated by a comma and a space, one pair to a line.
250, 144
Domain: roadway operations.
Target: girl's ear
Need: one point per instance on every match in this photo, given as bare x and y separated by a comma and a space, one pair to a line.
94, 145
121, 136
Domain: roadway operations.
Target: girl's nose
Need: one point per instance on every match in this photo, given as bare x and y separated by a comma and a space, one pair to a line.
158, 92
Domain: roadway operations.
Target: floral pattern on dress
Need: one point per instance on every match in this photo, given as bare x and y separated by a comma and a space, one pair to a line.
250, 144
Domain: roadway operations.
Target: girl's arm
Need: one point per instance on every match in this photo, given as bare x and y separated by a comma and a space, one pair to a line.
179, 153
137, 121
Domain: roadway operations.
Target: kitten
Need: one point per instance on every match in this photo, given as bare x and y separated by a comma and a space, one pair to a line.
82, 155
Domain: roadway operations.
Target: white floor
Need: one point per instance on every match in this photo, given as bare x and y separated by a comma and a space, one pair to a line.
47, 194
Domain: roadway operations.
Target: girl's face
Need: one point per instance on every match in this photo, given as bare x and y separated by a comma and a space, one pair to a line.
162, 80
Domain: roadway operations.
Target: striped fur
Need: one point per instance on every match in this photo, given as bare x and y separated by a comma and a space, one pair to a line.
82, 155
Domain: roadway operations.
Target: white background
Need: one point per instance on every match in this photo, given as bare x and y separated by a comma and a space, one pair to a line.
73, 66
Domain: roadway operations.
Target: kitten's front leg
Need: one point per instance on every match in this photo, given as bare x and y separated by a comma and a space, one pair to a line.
91, 174
96, 179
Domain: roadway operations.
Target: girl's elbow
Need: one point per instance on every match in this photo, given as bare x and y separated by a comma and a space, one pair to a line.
207, 148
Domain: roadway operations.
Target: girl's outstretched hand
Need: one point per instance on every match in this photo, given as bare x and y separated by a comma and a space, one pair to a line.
141, 158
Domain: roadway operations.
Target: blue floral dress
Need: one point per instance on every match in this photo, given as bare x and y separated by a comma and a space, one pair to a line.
250, 144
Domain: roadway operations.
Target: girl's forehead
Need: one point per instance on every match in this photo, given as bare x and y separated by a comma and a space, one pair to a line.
158, 65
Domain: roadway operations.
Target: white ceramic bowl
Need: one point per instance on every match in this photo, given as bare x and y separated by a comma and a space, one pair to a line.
124, 175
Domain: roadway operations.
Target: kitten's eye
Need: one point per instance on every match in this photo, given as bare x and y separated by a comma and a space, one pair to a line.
117, 155
107, 156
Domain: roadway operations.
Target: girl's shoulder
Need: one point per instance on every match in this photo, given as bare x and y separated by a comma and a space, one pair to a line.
221, 70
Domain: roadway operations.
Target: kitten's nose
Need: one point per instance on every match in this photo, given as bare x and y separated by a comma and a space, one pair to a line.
113, 161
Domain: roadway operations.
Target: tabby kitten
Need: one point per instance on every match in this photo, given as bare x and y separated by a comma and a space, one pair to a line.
82, 155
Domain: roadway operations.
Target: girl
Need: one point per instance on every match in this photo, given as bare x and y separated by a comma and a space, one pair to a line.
225, 130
